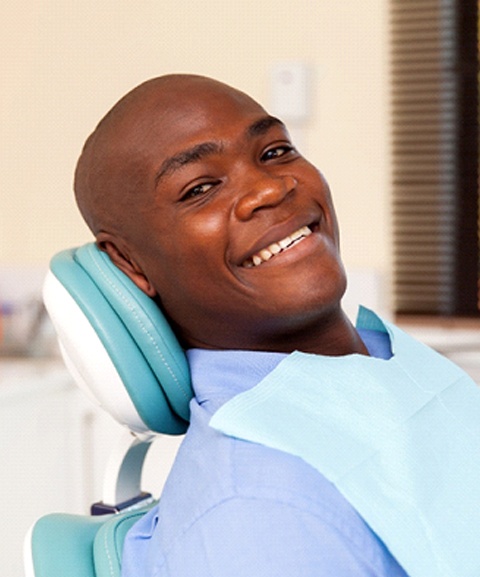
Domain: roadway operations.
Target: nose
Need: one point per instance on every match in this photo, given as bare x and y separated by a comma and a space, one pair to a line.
265, 191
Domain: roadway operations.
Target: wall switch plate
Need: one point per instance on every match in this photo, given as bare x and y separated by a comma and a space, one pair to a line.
290, 91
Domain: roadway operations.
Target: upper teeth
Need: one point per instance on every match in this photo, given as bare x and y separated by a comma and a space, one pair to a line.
276, 247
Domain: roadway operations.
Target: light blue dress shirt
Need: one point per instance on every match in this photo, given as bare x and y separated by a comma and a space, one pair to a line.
231, 508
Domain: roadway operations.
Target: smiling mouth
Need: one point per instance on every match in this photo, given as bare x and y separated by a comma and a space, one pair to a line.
276, 248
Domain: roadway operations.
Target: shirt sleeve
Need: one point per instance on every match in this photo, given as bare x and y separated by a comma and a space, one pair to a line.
254, 538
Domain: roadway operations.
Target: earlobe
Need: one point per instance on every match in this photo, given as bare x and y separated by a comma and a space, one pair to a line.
121, 259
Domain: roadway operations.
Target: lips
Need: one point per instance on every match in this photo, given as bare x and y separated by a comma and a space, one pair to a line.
272, 250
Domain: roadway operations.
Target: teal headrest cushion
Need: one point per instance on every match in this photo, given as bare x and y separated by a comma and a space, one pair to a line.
136, 335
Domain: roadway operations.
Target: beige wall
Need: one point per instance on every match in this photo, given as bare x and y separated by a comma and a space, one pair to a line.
64, 63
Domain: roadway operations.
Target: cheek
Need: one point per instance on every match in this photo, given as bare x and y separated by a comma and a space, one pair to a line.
330, 213
200, 246
334, 227
206, 229
185, 264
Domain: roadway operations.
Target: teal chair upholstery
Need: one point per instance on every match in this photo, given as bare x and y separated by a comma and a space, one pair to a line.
80, 546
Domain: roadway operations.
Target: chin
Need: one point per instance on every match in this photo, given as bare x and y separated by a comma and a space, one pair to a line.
308, 305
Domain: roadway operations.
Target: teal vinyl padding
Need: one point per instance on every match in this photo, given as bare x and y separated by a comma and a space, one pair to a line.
146, 323
108, 545
62, 545
140, 380
65, 545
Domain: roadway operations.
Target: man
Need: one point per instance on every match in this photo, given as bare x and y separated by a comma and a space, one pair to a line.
200, 197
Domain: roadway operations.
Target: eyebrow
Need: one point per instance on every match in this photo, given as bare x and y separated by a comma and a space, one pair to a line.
204, 149
263, 125
193, 154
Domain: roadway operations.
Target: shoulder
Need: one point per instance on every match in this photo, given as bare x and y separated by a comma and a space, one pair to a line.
212, 468
229, 500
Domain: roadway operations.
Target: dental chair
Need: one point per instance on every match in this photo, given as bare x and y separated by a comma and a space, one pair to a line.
122, 352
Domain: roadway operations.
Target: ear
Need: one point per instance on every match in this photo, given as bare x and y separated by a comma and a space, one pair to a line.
121, 258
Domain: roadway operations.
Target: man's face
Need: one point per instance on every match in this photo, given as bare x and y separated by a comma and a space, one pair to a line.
238, 234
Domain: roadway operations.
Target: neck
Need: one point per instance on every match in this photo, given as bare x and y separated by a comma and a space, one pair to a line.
333, 335
330, 335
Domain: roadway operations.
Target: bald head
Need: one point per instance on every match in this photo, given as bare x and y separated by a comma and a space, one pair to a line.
111, 180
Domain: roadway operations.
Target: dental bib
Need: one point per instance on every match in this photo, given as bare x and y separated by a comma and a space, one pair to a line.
399, 438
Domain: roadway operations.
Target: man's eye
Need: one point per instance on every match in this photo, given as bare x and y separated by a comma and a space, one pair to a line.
278, 151
197, 190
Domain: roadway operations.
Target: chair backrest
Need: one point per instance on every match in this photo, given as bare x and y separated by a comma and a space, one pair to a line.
122, 352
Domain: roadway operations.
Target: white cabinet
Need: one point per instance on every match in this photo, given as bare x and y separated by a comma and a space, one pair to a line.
53, 449
35, 412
